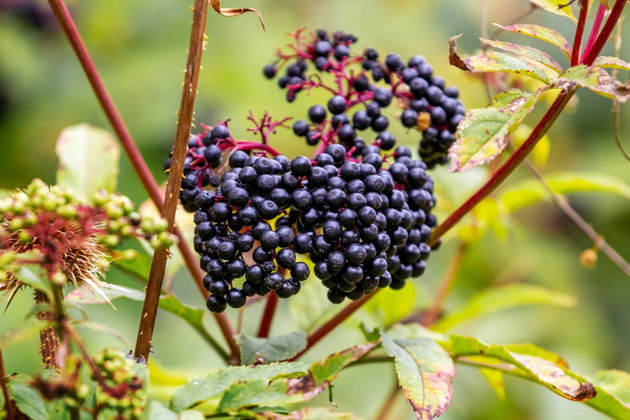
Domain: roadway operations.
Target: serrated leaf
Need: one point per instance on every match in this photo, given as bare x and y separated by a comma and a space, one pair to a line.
217, 382
558, 7
425, 373
497, 299
542, 371
157, 411
390, 306
595, 79
483, 134
494, 61
326, 370
259, 393
25, 331
234, 11
540, 32
611, 62
88, 159
527, 51
530, 191
28, 400
265, 350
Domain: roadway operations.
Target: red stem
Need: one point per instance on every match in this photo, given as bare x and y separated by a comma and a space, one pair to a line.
62, 14
599, 18
579, 33
333, 323
598, 46
497, 178
270, 311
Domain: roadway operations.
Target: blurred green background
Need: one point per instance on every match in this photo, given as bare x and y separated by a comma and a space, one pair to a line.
140, 49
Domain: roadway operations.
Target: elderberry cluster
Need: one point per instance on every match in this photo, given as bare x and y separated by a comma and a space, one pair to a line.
363, 86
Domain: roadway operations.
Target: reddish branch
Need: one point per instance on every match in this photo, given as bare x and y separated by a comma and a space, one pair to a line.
174, 184
8, 404
597, 24
268, 315
113, 115
579, 33
497, 177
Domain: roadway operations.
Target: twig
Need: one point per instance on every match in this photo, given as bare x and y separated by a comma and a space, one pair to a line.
268, 315
579, 33
507, 168
563, 204
173, 186
385, 412
598, 46
446, 284
146, 177
8, 405
329, 326
597, 24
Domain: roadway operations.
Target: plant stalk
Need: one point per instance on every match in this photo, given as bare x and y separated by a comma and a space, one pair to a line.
64, 17
597, 24
386, 409
268, 315
579, 33
173, 186
607, 30
8, 405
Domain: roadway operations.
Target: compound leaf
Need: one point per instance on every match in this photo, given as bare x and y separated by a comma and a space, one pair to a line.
527, 51
425, 373
540, 32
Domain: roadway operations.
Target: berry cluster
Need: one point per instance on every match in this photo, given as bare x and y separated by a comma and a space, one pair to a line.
363, 86
363, 221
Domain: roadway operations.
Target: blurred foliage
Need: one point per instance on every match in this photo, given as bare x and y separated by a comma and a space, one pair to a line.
140, 50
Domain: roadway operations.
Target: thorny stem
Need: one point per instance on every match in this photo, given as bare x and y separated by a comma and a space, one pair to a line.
579, 33
173, 186
268, 315
563, 204
446, 284
495, 180
146, 177
8, 405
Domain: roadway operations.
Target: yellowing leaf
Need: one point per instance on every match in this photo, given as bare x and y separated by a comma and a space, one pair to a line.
425, 373
595, 79
611, 62
525, 50
540, 154
558, 7
482, 135
540, 32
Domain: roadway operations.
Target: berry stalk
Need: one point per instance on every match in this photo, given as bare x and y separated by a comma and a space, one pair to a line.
113, 115
173, 186
268, 316
598, 46
597, 24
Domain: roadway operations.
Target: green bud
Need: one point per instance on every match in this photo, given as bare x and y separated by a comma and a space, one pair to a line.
113, 211
67, 211
110, 240
24, 237
16, 224
58, 278
166, 239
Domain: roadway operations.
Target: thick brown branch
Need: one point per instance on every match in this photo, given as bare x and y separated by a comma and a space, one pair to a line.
173, 186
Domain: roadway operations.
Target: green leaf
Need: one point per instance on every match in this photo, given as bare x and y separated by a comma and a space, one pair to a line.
157, 411
530, 191
391, 306
596, 79
494, 61
139, 266
483, 134
613, 394
28, 400
617, 382
25, 331
540, 32
495, 380
552, 375
260, 393
527, 51
83, 295
311, 413
88, 159
217, 382
425, 373
326, 370
559, 7
501, 298
611, 62
35, 277
265, 350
